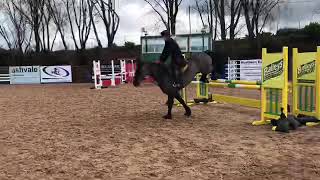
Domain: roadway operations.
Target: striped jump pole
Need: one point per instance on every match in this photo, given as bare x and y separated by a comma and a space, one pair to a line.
113, 79
97, 75
229, 85
238, 86
123, 71
237, 82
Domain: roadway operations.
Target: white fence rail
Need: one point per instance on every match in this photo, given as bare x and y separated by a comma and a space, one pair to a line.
4, 75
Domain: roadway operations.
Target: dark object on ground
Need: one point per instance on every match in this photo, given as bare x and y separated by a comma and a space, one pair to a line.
284, 124
293, 123
306, 119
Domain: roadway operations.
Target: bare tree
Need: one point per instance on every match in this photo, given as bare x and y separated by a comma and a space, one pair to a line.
15, 31
167, 10
235, 14
222, 11
93, 18
4, 33
58, 14
46, 43
111, 20
228, 9
257, 13
32, 10
78, 13
207, 14
202, 9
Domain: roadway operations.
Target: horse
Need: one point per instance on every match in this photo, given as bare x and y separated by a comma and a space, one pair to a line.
198, 63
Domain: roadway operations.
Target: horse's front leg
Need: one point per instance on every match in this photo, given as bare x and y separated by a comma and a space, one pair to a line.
186, 107
170, 104
204, 78
167, 101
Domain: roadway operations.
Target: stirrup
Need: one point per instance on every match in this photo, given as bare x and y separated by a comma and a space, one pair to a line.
176, 85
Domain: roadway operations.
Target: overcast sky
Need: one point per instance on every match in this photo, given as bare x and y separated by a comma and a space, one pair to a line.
135, 14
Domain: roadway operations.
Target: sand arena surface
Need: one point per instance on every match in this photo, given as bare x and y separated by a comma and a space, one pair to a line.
72, 132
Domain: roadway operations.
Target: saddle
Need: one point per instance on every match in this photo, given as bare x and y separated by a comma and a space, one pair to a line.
184, 65
183, 69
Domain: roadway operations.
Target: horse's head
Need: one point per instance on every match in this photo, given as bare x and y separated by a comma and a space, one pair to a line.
142, 71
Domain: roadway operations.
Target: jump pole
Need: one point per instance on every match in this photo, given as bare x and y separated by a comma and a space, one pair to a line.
113, 77
230, 85
274, 88
123, 71
97, 75
131, 71
237, 82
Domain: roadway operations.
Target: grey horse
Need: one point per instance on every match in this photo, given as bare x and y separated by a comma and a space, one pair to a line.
199, 63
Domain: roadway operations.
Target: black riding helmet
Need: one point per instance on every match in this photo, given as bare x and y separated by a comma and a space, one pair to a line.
165, 33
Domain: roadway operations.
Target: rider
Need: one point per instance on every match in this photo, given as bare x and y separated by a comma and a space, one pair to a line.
178, 62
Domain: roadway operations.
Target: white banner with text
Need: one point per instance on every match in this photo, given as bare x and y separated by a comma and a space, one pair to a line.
56, 74
24, 74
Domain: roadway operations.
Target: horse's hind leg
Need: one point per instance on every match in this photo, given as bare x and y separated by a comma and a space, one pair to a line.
186, 107
170, 104
204, 78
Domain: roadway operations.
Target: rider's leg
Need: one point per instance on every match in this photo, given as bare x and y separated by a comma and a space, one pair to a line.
179, 76
173, 72
176, 75
180, 64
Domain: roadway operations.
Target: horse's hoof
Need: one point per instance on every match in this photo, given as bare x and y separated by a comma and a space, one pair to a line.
167, 117
188, 113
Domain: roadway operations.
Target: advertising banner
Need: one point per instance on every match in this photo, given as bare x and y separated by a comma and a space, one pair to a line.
24, 74
56, 74
250, 69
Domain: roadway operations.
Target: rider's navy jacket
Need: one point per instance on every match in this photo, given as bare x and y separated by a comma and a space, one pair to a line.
171, 48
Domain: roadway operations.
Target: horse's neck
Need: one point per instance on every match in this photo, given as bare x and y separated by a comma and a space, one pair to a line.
157, 72
190, 73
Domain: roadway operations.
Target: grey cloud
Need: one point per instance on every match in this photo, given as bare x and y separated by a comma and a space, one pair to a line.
294, 11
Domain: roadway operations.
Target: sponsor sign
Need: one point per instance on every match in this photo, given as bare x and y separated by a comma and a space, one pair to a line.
251, 63
307, 68
250, 69
254, 76
24, 74
56, 74
273, 70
